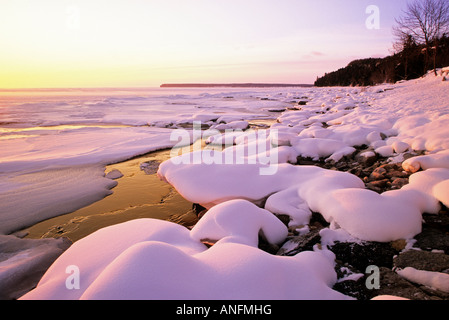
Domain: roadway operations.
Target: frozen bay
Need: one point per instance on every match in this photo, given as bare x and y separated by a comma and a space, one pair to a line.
322, 124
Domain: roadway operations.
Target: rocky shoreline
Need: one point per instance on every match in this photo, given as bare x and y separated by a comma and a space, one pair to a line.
428, 251
415, 269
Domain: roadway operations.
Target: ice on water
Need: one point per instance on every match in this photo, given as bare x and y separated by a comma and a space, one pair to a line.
158, 260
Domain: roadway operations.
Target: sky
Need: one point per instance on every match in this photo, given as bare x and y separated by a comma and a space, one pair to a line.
144, 43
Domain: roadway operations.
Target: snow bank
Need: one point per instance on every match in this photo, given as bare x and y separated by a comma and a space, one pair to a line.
295, 190
436, 160
441, 192
239, 221
161, 260
91, 255
407, 118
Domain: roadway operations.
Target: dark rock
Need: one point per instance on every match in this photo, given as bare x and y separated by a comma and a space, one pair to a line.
432, 238
199, 210
439, 221
434, 294
300, 243
378, 174
304, 161
422, 260
379, 184
302, 103
362, 255
317, 221
366, 160
372, 187
394, 174
150, 167
266, 246
355, 288
393, 284
398, 183
284, 218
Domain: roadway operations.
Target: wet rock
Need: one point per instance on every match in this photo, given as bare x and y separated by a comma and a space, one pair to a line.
114, 174
150, 167
277, 110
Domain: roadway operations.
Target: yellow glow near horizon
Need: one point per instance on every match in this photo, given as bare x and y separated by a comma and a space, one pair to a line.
104, 43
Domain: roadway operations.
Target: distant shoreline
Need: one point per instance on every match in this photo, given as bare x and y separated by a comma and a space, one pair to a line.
233, 85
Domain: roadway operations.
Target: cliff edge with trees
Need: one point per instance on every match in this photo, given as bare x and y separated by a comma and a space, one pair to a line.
421, 44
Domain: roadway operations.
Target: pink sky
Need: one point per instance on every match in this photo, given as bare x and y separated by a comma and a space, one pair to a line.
99, 43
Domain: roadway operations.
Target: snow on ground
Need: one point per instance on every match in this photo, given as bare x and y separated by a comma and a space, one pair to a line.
431, 279
407, 117
162, 260
242, 184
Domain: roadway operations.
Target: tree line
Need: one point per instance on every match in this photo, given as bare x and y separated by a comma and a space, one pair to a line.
421, 44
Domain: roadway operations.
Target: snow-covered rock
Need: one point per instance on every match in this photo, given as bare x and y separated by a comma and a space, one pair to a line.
161, 261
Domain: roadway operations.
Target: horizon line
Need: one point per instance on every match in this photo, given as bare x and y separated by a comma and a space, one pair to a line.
236, 84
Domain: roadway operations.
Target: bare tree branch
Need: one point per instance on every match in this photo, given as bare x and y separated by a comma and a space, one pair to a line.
423, 22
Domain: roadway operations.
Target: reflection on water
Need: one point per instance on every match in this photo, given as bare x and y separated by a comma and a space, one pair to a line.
139, 194
62, 127
8, 133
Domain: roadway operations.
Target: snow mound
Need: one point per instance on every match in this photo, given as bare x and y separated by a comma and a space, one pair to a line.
160, 260
434, 280
239, 221
297, 190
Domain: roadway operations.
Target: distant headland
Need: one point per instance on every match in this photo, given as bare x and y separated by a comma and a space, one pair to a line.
232, 85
